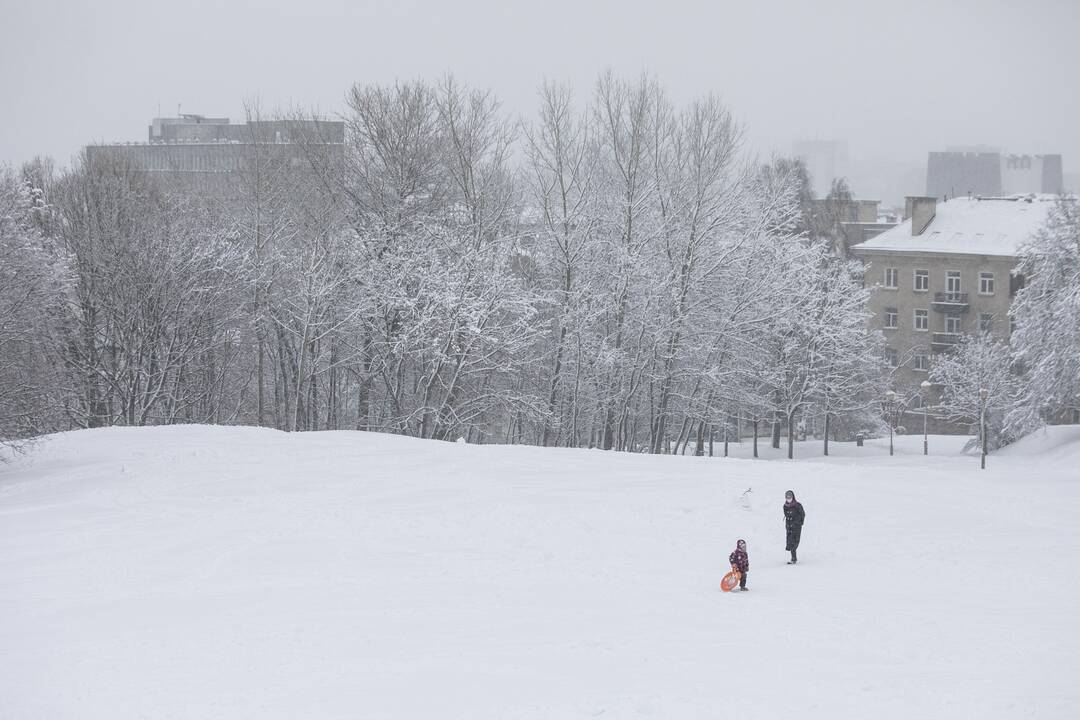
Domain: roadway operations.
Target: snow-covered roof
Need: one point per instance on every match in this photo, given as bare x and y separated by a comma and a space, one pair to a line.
970, 226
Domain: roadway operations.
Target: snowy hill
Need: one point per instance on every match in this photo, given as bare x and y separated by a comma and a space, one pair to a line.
200, 572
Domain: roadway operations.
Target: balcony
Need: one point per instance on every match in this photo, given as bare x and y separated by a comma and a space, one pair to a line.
942, 341
950, 302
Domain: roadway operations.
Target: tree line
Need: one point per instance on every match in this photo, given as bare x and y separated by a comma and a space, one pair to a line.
614, 272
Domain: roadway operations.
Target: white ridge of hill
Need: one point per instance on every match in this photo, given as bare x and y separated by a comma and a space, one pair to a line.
1058, 444
223, 572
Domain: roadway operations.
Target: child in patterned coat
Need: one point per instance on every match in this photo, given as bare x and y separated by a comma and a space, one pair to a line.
740, 561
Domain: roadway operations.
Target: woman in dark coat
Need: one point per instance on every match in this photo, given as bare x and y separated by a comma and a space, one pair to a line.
794, 515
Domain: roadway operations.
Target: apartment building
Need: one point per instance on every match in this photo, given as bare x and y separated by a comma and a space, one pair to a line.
947, 270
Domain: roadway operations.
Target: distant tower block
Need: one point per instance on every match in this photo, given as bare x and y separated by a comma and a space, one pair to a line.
825, 160
988, 172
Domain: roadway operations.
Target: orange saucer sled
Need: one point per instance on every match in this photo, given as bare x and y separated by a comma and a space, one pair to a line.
730, 581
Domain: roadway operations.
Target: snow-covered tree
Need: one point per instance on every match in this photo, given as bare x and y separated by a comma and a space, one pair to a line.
1046, 313
849, 377
30, 283
447, 317
146, 334
978, 386
616, 273
560, 177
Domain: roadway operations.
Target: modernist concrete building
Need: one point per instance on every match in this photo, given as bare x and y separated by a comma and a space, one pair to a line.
212, 152
947, 270
990, 172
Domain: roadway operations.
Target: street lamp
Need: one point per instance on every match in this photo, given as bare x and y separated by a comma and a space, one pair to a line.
890, 403
925, 385
982, 423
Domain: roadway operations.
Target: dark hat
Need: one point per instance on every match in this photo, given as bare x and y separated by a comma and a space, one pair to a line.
790, 494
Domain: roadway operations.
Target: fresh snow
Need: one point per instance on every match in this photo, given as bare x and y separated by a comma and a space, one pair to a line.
986, 226
1056, 444
210, 572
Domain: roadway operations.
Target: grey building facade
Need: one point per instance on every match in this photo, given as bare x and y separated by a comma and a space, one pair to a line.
210, 153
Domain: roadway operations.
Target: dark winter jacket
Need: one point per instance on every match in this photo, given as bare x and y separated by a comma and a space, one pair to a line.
794, 515
739, 559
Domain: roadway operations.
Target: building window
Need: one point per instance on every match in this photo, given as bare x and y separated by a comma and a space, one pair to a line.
986, 283
922, 361
952, 282
916, 402
922, 281
891, 318
922, 320
892, 278
891, 358
986, 322
952, 323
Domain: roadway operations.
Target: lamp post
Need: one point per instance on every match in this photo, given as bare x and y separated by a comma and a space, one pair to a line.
890, 403
982, 423
925, 385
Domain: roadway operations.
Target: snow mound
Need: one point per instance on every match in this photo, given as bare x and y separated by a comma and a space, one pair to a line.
1057, 444
210, 572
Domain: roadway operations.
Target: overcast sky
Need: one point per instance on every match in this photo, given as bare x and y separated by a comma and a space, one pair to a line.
893, 79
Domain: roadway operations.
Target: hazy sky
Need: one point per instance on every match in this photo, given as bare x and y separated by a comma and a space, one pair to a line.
894, 79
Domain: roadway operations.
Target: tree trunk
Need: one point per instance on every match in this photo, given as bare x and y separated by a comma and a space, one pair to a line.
608, 439
262, 382
299, 386
553, 394
791, 435
363, 390
332, 390
755, 437
826, 433
683, 439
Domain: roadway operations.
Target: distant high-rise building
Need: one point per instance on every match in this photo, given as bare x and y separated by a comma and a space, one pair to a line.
825, 160
209, 152
989, 172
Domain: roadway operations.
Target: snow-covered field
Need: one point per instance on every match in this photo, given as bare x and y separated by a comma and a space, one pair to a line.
199, 572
